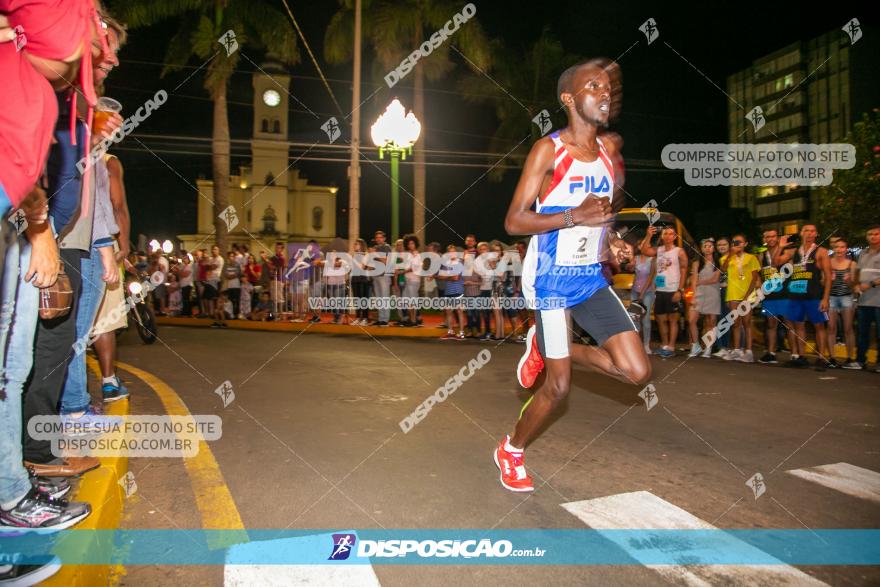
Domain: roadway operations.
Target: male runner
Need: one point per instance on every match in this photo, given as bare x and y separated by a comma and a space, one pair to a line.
569, 178
809, 290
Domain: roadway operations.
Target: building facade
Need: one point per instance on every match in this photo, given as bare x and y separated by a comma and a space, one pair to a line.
271, 201
810, 92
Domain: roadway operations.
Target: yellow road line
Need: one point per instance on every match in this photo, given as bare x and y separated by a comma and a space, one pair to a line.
212, 496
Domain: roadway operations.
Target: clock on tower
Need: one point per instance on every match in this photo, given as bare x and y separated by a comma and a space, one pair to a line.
269, 144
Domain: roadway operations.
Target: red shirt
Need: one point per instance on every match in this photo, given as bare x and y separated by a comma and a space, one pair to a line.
52, 29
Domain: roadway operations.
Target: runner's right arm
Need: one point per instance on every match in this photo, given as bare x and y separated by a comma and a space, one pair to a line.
520, 219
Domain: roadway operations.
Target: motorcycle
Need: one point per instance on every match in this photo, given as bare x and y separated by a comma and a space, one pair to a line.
141, 311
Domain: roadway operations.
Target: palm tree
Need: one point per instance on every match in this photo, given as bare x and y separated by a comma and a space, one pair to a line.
395, 29
529, 81
255, 23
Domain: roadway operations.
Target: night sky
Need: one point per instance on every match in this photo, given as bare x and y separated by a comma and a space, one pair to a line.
665, 100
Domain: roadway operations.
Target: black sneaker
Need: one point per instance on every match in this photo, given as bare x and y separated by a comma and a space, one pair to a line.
768, 359
821, 364
797, 363
15, 575
315, 319
486, 336
36, 510
55, 488
215, 325
833, 364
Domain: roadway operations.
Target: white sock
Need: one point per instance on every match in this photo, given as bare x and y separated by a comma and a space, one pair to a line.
111, 380
509, 447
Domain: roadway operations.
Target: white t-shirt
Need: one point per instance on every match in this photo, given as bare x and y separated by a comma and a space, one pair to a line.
214, 274
185, 280
414, 262
668, 277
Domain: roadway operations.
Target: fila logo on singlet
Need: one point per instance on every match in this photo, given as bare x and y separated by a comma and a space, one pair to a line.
588, 184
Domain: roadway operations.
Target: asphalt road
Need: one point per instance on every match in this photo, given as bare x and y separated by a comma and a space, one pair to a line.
312, 440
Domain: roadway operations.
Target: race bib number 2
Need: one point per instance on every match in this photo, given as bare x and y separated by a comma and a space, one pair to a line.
578, 246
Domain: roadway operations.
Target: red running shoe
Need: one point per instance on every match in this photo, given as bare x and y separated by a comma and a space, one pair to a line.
513, 472
531, 363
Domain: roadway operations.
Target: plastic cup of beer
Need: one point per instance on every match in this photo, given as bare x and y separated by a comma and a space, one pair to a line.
104, 109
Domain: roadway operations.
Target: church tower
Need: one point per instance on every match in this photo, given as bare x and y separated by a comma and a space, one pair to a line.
269, 148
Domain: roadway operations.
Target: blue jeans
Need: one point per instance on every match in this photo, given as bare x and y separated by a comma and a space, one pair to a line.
18, 324
75, 394
865, 315
382, 289
724, 339
648, 302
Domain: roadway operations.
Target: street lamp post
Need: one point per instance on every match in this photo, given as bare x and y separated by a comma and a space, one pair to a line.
395, 132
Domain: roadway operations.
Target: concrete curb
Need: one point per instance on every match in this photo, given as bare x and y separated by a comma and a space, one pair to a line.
102, 490
320, 327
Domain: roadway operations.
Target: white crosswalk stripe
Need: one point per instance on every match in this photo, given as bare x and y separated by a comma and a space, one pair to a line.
843, 477
643, 510
318, 572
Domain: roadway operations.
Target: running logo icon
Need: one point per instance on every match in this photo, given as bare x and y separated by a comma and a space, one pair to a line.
543, 121
756, 117
649, 396
757, 485
19, 221
229, 43
854, 30
342, 547
650, 210
226, 393
331, 127
229, 216
649, 28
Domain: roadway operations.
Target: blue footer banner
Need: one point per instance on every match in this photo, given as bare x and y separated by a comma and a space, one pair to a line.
446, 546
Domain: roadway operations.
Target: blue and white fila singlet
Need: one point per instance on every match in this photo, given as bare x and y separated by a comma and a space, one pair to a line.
565, 263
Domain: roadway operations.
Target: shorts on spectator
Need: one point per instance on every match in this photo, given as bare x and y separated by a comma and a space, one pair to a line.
838, 303
210, 292
663, 303
806, 311
775, 308
301, 287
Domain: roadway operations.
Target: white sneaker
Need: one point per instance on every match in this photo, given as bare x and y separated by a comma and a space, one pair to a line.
695, 350
746, 357
707, 354
734, 355
648, 349
721, 354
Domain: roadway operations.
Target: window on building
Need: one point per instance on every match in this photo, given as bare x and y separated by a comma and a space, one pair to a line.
788, 81
264, 125
767, 190
791, 228
270, 179
276, 126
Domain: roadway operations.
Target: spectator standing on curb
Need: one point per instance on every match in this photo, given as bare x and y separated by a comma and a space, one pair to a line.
841, 307
775, 302
743, 276
382, 283
809, 291
412, 269
453, 289
670, 275
360, 282
232, 279
869, 296
705, 273
643, 293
